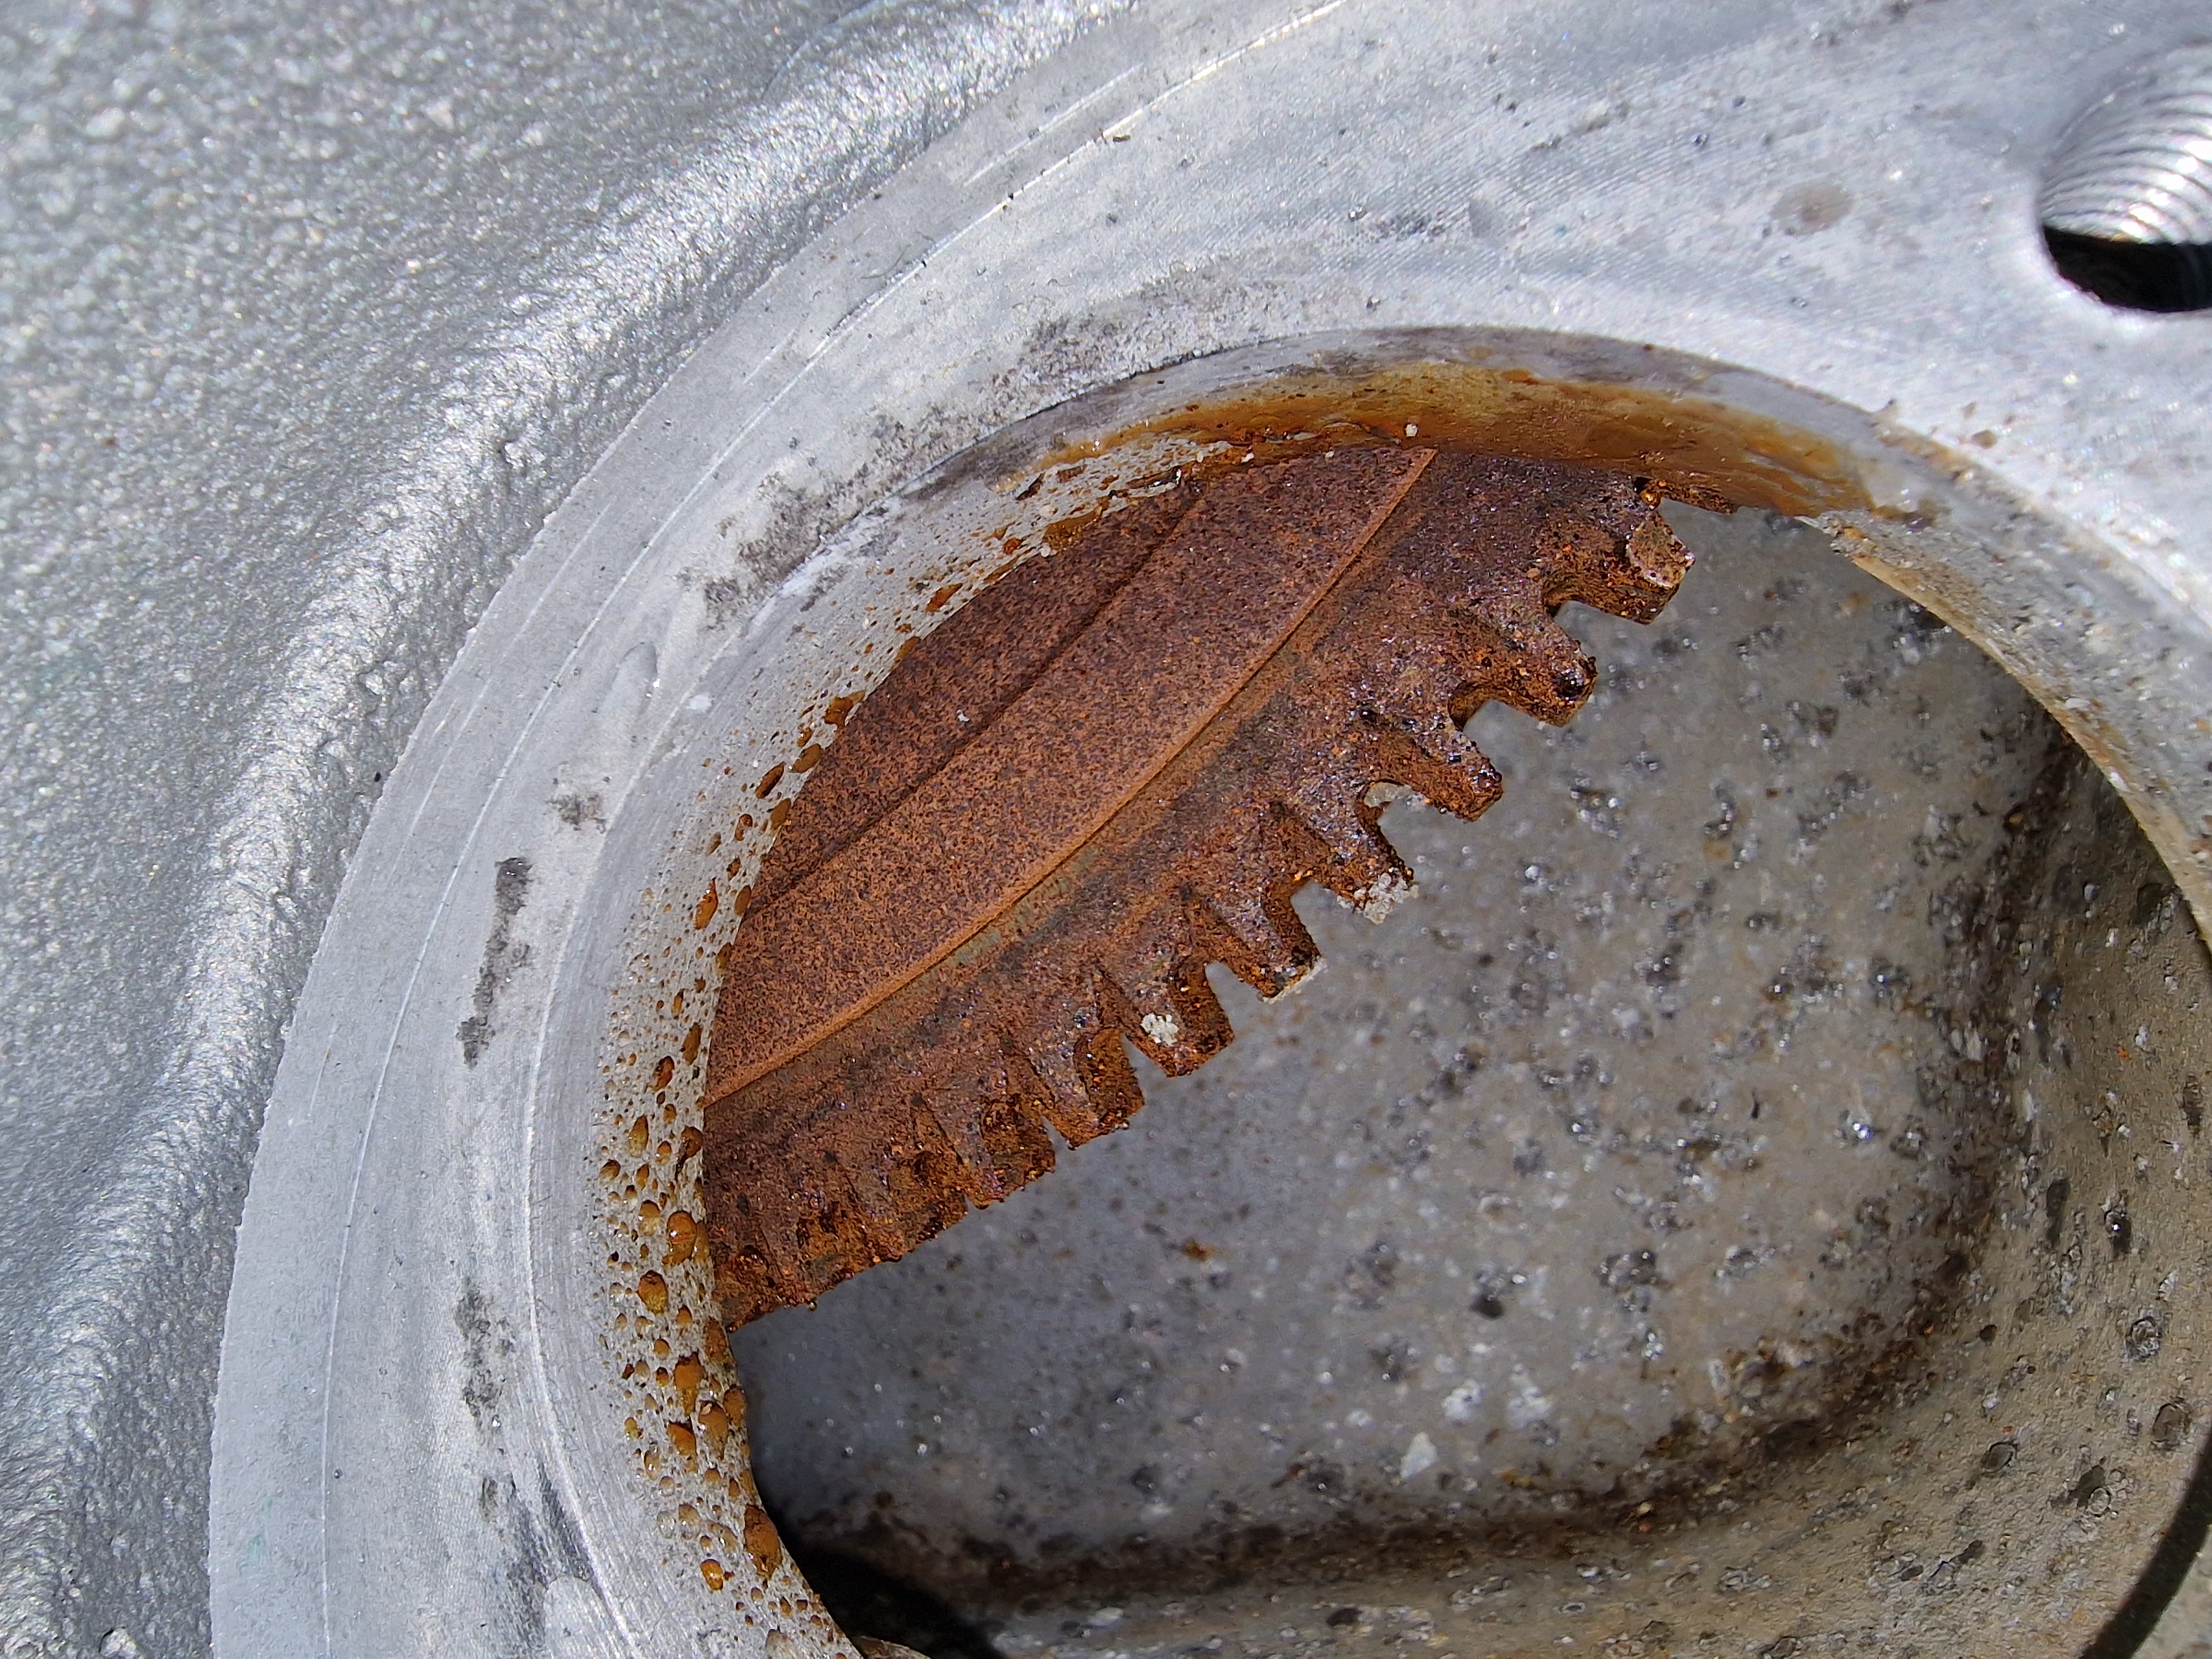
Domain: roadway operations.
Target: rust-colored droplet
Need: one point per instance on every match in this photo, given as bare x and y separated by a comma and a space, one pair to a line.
1112, 768
711, 1571
682, 1238
652, 1291
688, 1374
762, 1542
709, 904
714, 1429
681, 1436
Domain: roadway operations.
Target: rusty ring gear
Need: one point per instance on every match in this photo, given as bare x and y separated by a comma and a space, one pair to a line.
1110, 769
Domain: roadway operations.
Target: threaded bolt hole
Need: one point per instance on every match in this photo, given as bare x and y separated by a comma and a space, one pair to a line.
2127, 200
2157, 276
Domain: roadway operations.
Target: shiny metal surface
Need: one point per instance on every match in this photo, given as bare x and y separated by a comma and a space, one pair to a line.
339, 455
2136, 165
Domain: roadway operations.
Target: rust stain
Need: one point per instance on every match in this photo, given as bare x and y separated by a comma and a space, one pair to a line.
1111, 768
1699, 447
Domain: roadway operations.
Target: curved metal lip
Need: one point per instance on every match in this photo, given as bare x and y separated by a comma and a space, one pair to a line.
662, 735
617, 626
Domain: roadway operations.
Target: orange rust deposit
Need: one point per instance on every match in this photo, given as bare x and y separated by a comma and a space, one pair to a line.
1706, 451
1110, 769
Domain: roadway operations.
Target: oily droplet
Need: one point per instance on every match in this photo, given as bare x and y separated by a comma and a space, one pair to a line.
762, 1542
713, 1428
652, 1291
689, 1373
708, 905
683, 1237
711, 1571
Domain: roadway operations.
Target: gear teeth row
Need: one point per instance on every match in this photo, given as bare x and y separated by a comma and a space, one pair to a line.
1431, 583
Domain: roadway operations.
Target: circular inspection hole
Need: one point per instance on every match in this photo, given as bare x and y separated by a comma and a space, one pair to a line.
1794, 1087
2127, 203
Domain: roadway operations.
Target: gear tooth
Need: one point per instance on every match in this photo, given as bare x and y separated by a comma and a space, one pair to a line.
834, 1239
1660, 561
1519, 656
1332, 836
1628, 572
994, 1129
1428, 754
1179, 1024
908, 1190
1251, 929
1110, 1082
825, 1235
1061, 1065
786, 1238
747, 1282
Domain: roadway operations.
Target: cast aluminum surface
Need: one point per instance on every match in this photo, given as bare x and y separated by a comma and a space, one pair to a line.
1860, 223
313, 314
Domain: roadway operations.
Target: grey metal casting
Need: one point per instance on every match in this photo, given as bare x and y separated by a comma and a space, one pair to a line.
315, 319
312, 315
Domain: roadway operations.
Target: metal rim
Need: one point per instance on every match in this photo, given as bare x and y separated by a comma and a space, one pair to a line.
792, 420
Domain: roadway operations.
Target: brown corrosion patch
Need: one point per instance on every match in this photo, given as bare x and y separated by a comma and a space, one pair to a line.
1110, 769
1701, 449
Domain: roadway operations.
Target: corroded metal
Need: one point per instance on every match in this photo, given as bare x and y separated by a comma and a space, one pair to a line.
1109, 770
